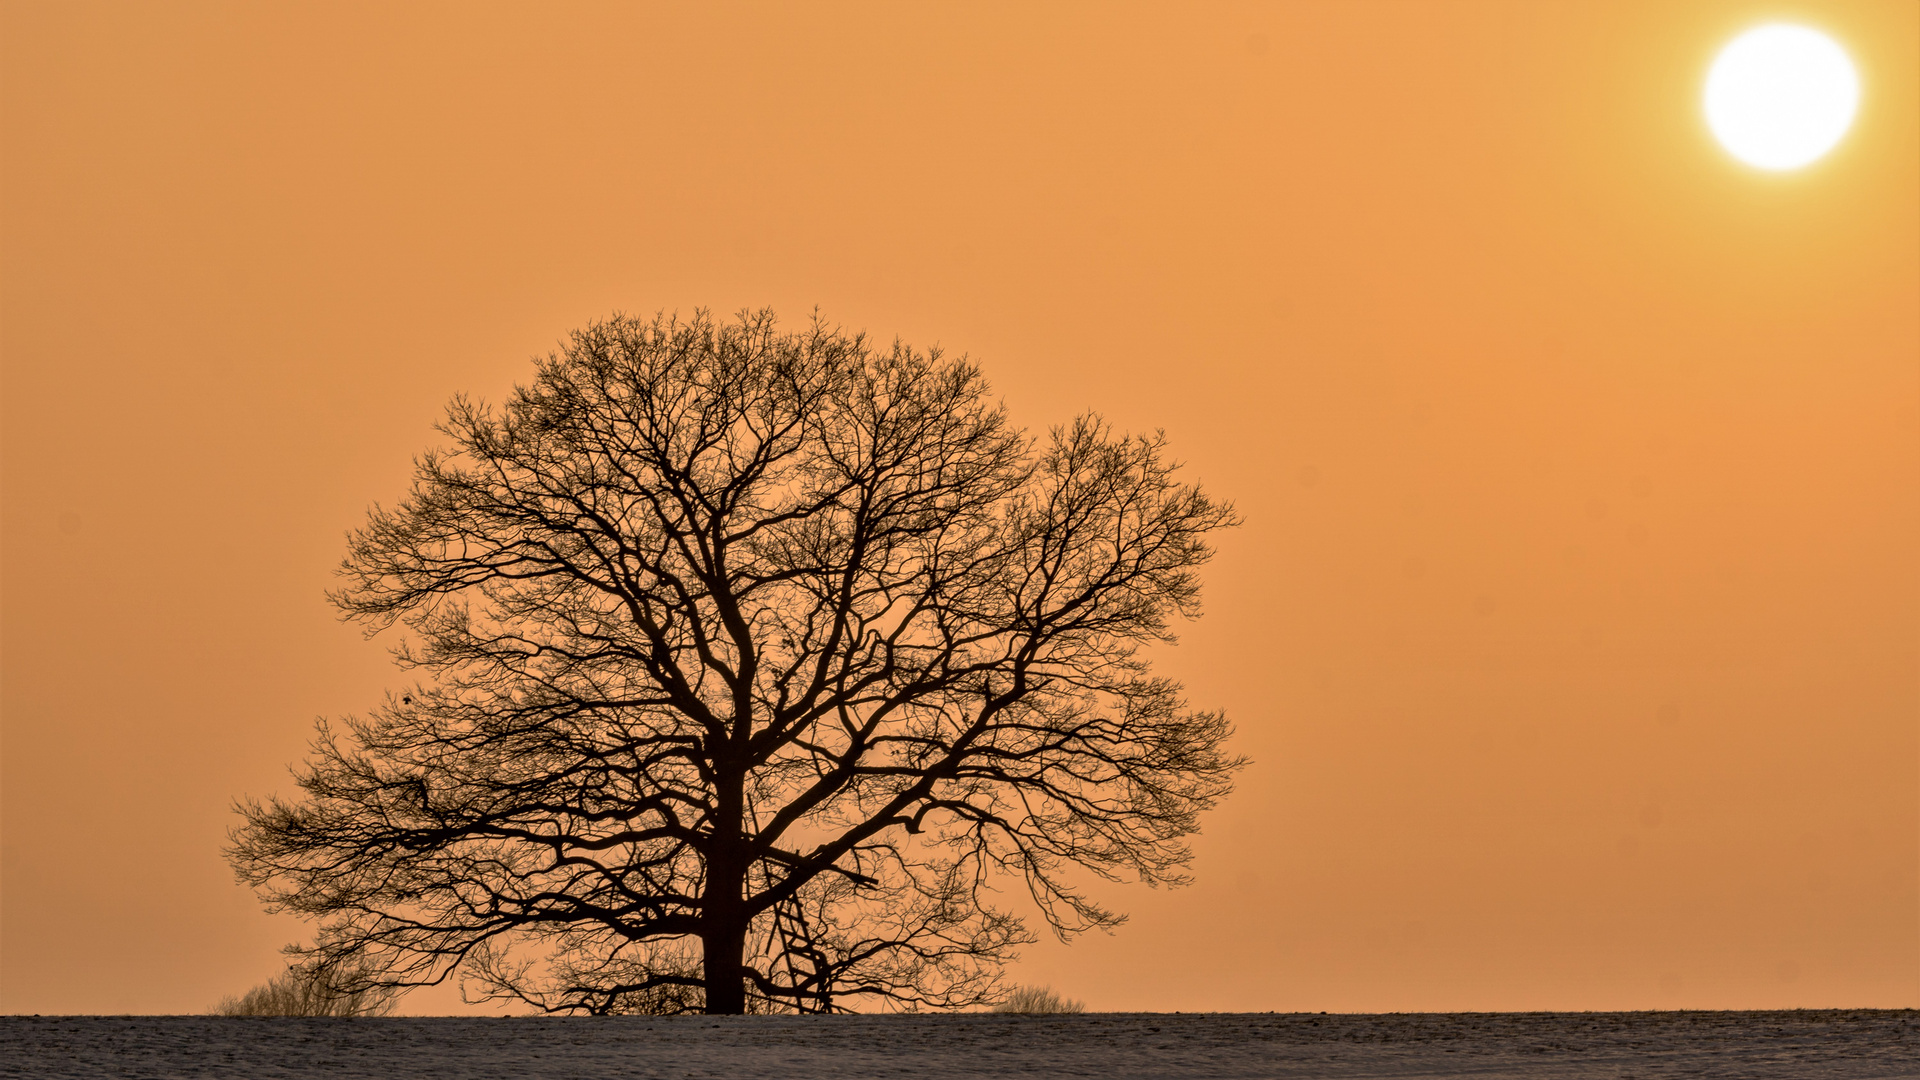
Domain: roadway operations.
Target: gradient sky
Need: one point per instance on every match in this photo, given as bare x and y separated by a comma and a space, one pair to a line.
1575, 625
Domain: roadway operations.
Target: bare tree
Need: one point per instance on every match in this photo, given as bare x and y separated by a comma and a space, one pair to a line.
750, 660
312, 990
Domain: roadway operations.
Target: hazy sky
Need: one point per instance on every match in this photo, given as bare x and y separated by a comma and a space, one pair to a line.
1574, 629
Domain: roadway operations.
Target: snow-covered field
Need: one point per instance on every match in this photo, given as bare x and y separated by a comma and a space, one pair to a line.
1806, 1045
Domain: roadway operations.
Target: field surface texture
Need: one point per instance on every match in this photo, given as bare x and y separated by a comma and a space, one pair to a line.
1806, 1045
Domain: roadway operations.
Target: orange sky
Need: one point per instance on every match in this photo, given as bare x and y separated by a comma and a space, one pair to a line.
1575, 626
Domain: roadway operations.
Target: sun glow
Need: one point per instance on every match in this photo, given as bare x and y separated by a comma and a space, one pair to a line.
1780, 96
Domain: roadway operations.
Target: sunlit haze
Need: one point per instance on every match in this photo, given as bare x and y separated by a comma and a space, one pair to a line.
1573, 628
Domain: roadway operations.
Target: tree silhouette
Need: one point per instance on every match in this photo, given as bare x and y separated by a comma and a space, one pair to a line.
749, 661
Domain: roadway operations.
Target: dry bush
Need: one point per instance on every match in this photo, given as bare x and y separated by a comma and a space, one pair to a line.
1038, 1001
302, 991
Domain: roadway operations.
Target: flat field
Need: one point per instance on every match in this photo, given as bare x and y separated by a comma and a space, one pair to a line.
1802, 1044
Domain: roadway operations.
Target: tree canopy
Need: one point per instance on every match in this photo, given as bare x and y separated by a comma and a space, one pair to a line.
748, 662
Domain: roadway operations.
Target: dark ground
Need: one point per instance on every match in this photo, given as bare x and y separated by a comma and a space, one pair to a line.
1810, 1044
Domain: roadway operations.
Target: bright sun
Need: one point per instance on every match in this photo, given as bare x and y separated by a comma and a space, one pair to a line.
1780, 96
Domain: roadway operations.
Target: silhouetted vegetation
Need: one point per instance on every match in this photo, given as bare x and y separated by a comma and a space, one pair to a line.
306, 991
748, 660
1038, 1001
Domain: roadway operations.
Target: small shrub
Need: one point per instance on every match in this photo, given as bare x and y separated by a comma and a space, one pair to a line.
305, 992
1038, 1001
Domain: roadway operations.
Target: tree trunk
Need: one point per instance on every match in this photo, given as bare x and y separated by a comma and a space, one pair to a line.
723, 940
726, 986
